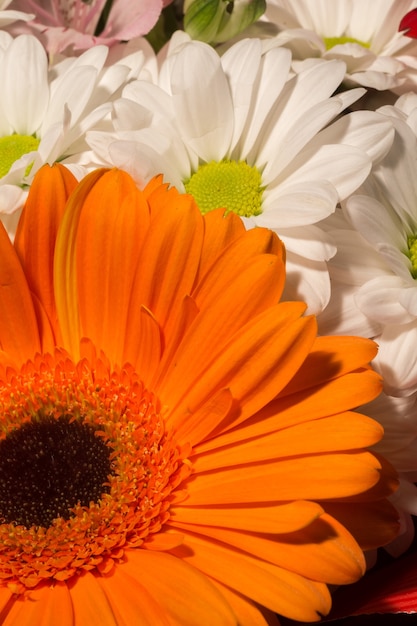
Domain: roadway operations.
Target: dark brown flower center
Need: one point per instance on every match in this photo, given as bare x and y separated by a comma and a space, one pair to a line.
49, 466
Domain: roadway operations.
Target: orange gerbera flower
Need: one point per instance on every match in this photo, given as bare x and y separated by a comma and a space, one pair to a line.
176, 446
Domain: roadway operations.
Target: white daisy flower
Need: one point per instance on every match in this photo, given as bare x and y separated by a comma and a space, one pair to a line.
364, 34
45, 111
375, 269
241, 131
384, 213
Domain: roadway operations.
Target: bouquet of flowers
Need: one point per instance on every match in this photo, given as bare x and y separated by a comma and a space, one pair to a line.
208, 311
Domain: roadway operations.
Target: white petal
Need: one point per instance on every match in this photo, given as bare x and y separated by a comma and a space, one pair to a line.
379, 299
397, 358
274, 72
144, 158
75, 88
95, 57
109, 81
346, 167
304, 44
148, 97
305, 203
398, 262
241, 64
395, 174
376, 80
8, 17
376, 223
298, 98
366, 130
138, 55
356, 261
202, 101
308, 241
307, 281
5, 40
398, 417
408, 299
406, 104
166, 56
128, 115
50, 145
343, 317
350, 96
278, 149
24, 80
12, 198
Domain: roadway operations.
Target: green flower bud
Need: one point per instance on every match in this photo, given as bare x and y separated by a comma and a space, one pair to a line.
216, 21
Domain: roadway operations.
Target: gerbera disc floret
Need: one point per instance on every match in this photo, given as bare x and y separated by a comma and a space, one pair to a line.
86, 468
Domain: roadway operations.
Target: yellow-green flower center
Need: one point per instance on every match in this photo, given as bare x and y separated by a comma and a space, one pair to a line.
233, 185
12, 148
330, 42
412, 254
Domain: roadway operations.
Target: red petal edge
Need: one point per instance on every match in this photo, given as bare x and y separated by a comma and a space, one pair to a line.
391, 589
409, 24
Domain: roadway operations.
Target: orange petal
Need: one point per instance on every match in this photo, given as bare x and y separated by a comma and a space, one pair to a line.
168, 263
236, 260
220, 231
65, 266
323, 551
268, 349
160, 195
331, 357
247, 612
166, 577
385, 486
41, 607
37, 230
7, 598
131, 603
345, 431
275, 588
49, 333
275, 518
186, 315
113, 221
193, 427
155, 185
305, 406
162, 541
315, 477
90, 603
19, 333
143, 345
